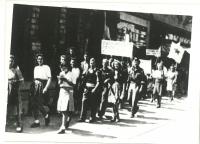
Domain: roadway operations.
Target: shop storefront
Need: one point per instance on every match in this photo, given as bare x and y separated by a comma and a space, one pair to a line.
134, 29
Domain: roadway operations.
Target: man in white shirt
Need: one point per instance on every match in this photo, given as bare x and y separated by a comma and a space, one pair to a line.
39, 97
85, 64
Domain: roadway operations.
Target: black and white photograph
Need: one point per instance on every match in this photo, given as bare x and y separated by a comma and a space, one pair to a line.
79, 75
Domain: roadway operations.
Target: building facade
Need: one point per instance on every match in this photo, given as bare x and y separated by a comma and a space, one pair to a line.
52, 30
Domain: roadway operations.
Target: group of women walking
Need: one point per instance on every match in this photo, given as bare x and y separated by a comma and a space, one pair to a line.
89, 88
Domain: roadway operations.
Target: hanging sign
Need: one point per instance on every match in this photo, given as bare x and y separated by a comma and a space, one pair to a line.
117, 48
146, 65
154, 52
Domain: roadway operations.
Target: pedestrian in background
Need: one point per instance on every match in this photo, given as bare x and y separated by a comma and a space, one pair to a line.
172, 81
124, 70
76, 73
158, 76
85, 64
150, 86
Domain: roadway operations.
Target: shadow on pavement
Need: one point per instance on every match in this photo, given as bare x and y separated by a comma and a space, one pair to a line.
145, 111
88, 133
151, 118
172, 108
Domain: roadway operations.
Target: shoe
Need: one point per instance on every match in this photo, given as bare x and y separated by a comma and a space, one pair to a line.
113, 120
92, 120
117, 120
81, 120
100, 117
158, 106
67, 124
34, 125
120, 106
132, 116
47, 120
62, 131
19, 129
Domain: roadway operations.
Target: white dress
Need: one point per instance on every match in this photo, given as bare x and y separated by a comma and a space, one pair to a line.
170, 79
66, 99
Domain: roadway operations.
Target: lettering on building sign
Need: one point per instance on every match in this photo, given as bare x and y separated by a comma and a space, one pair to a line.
116, 48
154, 52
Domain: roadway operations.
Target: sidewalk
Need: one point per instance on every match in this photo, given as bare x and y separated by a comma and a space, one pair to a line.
151, 125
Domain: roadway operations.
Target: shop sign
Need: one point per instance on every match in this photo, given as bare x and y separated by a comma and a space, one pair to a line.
153, 52
117, 48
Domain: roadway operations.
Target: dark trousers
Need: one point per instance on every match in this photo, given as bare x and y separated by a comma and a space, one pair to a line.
14, 100
134, 96
115, 107
89, 101
76, 98
104, 101
39, 101
157, 92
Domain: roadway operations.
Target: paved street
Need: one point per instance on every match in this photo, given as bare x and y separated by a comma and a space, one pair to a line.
167, 124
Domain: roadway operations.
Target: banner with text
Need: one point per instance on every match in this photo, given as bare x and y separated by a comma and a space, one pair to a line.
117, 48
154, 52
146, 65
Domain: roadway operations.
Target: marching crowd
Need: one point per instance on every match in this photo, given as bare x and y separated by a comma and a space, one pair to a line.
87, 87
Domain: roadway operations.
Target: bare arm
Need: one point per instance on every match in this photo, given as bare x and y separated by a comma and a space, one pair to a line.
97, 84
69, 82
47, 85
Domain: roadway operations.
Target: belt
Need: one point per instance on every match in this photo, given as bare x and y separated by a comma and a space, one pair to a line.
132, 82
90, 85
68, 88
40, 80
11, 80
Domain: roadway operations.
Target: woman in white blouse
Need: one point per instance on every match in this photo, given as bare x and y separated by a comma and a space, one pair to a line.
65, 103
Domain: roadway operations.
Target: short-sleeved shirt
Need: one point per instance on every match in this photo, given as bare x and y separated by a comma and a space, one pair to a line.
84, 66
76, 74
42, 72
15, 74
158, 75
136, 75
